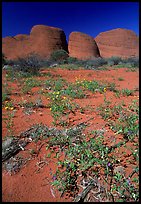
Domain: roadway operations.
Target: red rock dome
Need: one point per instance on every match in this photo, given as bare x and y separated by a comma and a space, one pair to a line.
43, 40
82, 46
118, 42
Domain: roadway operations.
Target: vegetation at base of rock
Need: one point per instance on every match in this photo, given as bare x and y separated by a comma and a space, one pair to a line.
31, 64
113, 60
73, 63
59, 56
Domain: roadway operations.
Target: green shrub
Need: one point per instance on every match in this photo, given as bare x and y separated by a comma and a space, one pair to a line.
72, 60
59, 56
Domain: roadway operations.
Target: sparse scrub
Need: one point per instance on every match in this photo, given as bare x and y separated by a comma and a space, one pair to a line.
131, 62
8, 119
60, 106
59, 56
93, 64
71, 60
29, 83
70, 66
30, 64
86, 159
126, 123
78, 159
74, 91
113, 60
6, 91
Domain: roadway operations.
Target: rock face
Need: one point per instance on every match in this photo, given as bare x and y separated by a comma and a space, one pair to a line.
82, 46
43, 40
118, 42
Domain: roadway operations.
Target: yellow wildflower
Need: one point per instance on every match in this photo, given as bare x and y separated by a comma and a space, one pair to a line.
11, 108
64, 97
105, 89
50, 108
6, 107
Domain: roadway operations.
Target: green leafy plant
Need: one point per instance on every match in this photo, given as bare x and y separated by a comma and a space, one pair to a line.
79, 157
60, 106
5, 97
127, 92
8, 119
126, 190
120, 79
74, 91
134, 106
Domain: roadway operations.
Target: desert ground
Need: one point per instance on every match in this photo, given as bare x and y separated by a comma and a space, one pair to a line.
99, 107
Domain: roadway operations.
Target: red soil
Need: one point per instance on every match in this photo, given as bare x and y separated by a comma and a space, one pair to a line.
29, 185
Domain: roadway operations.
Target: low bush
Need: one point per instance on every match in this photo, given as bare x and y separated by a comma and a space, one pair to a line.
97, 62
131, 62
30, 64
113, 60
59, 56
71, 60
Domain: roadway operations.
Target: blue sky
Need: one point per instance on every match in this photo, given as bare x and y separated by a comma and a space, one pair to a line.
87, 17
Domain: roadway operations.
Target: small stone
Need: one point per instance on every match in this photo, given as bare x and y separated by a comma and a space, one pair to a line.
40, 114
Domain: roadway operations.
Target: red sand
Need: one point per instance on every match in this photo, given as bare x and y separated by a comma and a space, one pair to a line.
28, 185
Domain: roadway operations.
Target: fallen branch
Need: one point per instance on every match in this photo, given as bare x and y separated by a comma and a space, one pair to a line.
81, 197
11, 146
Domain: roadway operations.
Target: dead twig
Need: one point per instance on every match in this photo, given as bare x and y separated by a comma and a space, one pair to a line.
81, 197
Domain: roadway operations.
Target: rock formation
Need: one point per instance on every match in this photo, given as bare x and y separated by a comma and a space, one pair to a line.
43, 40
118, 42
82, 46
